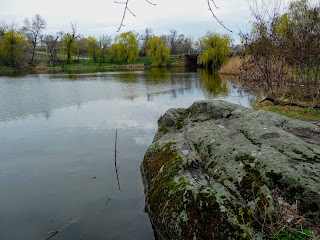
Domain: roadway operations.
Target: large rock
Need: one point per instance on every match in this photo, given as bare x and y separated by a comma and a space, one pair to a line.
218, 170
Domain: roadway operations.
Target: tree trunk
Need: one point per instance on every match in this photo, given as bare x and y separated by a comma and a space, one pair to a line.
34, 48
68, 60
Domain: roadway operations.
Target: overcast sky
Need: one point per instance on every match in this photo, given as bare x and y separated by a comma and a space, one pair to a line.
97, 17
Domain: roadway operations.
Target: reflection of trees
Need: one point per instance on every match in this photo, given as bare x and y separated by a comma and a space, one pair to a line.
157, 76
213, 82
127, 77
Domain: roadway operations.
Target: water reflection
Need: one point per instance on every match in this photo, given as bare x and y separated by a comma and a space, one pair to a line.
57, 147
157, 76
127, 77
40, 94
213, 82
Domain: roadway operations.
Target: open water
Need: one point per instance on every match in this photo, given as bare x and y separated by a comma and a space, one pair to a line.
57, 137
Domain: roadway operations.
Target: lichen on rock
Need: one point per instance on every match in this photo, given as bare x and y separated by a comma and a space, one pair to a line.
213, 173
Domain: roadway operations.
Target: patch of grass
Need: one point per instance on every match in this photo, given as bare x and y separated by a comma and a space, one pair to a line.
293, 112
289, 234
163, 129
179, 124
91, 63
145, 61
173, 60
4, 68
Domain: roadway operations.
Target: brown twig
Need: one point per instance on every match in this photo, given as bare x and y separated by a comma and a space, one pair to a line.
220, 22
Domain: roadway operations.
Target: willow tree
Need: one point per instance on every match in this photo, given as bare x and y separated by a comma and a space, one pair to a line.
69, 43
92, 46
216, 50
114, 53
127, 45
12, 46
158, 51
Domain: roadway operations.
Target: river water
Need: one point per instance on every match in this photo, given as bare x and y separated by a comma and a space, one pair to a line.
57, 137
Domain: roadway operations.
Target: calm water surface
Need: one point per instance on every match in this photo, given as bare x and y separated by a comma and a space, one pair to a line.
57, 134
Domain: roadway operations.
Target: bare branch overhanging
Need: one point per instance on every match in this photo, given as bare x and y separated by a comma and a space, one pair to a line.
127, 9
210, 9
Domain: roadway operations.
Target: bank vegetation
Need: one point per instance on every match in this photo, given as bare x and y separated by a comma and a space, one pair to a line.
281, 56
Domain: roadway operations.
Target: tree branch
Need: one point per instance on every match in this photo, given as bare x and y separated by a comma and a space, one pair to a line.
215, 5
127, 9
220, 22
154, 4
124, 13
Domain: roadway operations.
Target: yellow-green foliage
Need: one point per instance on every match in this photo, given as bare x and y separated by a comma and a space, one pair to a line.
216, 50
114, 53
92, 46
126, 47
12, 45
70, 46
158, 51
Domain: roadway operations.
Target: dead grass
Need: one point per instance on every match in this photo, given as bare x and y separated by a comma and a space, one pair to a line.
232, 67
41, 66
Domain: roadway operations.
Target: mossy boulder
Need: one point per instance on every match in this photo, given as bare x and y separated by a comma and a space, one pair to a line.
213, 173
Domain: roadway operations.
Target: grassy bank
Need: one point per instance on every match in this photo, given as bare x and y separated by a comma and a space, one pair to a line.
41, 64
4, 68
292, 111
140, 63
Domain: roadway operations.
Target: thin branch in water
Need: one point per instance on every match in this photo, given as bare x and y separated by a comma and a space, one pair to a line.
74, 220
115, 158
108, 200
54, 233
220, 22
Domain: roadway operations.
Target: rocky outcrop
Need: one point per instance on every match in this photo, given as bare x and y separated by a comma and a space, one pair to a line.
221, 171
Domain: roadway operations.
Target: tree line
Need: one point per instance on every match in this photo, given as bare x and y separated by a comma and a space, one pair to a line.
19, 45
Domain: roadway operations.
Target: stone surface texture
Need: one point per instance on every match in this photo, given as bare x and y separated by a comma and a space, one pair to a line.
216, 170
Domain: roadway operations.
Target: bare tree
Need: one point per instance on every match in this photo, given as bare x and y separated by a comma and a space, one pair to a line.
51, 42
144, 39
173, 41
32, 30
104, 45
61, 36
3, 28
6, 27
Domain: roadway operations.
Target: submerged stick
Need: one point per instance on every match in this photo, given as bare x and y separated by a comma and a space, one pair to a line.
108, 200
74, 220
115, 158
